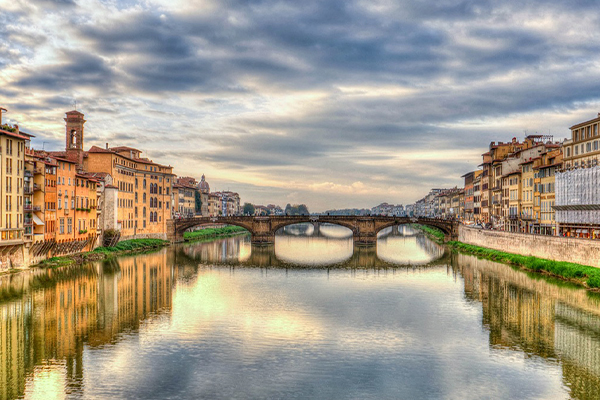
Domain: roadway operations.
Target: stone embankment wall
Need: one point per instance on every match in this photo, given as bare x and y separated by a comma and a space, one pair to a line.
581, 251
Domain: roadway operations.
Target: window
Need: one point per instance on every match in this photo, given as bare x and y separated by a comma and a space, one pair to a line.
69, 223
595, 145
144, 197
62, 226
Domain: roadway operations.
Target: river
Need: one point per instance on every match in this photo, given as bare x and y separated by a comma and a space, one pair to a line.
310, 317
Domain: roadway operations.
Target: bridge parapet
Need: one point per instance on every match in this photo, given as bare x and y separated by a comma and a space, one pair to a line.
364, 228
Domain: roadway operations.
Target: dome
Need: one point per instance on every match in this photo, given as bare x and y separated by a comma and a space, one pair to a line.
203, 185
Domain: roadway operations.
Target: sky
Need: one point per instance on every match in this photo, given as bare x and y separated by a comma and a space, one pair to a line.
331, 103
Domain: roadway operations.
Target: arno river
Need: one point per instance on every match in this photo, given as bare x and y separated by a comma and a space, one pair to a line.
308, 318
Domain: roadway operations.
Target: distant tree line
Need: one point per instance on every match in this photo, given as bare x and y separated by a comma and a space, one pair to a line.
296, 209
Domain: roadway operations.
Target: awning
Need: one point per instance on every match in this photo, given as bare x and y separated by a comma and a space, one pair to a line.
37, 220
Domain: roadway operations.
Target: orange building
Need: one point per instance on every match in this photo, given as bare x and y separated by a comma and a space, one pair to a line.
144, 189
76, 198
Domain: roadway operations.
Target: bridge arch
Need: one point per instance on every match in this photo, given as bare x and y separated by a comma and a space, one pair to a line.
283, 224
444, 227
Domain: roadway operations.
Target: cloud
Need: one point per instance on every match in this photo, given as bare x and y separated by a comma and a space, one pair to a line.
279, 95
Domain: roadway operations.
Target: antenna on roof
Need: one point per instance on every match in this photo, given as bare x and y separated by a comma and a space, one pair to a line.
74, 104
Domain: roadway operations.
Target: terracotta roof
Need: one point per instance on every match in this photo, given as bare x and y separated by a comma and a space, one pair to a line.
96, 149
55, 154
550, 165
14, 134
63, 159
121, 148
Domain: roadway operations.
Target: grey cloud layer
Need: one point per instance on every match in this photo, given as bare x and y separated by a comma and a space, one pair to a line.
359, 77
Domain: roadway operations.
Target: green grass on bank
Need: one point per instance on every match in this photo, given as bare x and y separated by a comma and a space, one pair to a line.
213, 232
98, 253
434, 232
133, 245
590, 276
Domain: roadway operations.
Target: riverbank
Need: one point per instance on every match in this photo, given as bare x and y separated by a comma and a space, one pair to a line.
211, 233
433, 233
101, 253
583, 275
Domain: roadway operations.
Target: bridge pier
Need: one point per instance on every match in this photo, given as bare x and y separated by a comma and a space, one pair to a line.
262, 239
365, 240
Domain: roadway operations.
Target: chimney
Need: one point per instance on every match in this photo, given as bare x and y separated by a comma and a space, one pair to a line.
598, 115
3, 110
106, 146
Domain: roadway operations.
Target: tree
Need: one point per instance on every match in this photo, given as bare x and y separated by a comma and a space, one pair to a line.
248, 209
302, 209
288, 209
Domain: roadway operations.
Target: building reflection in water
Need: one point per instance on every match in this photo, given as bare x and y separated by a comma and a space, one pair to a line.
49, 318
540, 317
59, 311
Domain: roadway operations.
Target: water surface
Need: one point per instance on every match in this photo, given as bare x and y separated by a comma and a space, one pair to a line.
310, 317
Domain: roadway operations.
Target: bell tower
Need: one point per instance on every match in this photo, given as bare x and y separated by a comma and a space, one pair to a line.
74, 137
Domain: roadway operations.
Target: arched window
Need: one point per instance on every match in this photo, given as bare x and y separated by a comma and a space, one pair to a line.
151, 217
144, 183
144, 212
144, 197
155, 216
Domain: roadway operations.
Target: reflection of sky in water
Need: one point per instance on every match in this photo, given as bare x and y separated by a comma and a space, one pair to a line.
301, 244
406, 247
314, 250
314, 334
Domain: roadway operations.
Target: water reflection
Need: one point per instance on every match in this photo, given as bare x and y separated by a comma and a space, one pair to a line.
186, 322
43, 332
303, 245
554, 321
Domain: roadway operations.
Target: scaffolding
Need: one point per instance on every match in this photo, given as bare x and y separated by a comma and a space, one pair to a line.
578, 197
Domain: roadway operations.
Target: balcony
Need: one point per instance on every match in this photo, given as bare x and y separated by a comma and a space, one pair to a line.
28, 222
38, 170
28, 173
513, 216
66, 211
37, 208
36, 187
28, 207
27, 190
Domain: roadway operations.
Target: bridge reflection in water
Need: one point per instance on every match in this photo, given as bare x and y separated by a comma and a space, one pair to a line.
303, 245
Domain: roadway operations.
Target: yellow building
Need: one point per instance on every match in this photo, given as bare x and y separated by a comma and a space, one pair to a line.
583, 149
527, 190
13, 144
511, 202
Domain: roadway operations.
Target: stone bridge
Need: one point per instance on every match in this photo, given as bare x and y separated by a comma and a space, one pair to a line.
364, 228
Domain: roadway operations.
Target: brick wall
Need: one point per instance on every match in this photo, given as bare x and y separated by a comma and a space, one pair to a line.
581, 251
